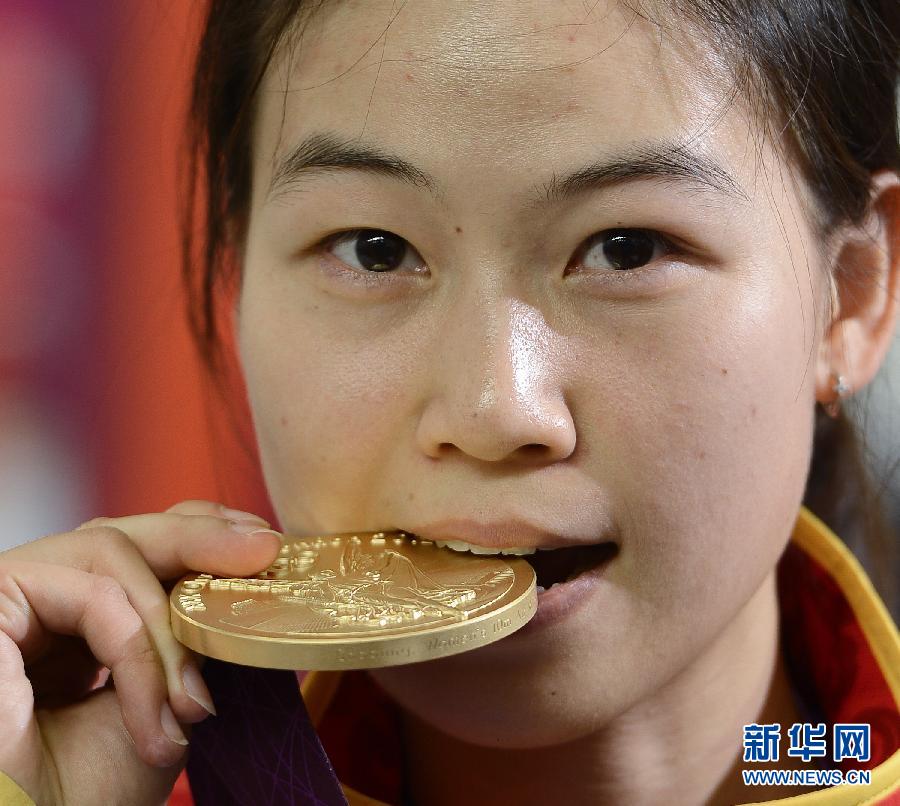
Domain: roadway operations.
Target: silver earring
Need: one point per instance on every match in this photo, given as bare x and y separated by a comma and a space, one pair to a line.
840, 388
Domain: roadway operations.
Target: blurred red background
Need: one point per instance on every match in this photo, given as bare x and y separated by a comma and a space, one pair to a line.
104, 408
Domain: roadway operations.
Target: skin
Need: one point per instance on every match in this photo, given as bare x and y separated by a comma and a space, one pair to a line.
506, 377
490, 378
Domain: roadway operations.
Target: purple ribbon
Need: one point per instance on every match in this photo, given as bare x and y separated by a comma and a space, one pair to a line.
262, 747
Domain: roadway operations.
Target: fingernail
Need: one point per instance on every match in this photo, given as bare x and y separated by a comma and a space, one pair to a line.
170, 725
196, 689
252, 529
238, 515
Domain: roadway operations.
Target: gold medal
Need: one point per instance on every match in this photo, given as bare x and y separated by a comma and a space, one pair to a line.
355, 601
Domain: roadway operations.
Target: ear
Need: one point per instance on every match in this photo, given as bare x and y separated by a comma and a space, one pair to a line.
865, 292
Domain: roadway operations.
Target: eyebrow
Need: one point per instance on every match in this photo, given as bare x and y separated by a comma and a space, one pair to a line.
323, 153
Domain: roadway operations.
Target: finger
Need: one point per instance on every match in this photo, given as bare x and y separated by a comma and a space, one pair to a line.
108, 551
73, 602
200, 507
205, 543
135, 550
171, 544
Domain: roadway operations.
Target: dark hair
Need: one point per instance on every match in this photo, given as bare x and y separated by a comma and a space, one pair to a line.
824, 74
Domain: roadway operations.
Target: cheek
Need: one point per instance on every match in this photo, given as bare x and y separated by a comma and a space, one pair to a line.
705, 440
327, 408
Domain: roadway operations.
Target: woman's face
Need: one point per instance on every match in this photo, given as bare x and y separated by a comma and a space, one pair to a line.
502, 367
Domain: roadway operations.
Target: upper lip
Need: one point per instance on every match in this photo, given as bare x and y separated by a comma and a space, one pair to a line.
503, 534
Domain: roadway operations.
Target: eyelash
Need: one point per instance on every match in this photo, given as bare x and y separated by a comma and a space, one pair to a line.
629, 275
371, 278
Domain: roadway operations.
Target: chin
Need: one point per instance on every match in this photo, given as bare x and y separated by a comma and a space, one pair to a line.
518, 714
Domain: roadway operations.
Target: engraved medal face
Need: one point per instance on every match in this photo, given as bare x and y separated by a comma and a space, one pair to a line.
354, 601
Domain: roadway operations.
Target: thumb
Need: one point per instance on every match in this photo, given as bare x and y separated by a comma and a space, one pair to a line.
96, 758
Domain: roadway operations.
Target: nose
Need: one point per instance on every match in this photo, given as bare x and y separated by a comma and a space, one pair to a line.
496, 388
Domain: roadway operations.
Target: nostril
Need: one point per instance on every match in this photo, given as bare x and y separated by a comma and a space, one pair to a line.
533, 452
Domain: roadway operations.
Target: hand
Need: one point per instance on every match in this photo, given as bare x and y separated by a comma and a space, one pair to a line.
80, 606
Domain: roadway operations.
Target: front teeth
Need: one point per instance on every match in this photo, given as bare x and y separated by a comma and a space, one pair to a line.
461, 545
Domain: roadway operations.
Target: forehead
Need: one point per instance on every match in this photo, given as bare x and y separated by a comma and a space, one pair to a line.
486, 88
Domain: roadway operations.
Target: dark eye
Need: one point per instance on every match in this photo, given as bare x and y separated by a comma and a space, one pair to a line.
375, 250
622, 249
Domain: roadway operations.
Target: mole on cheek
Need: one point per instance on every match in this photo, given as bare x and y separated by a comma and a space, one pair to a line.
459, 230
724, 371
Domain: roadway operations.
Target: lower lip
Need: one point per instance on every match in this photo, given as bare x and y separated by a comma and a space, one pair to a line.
564, 599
